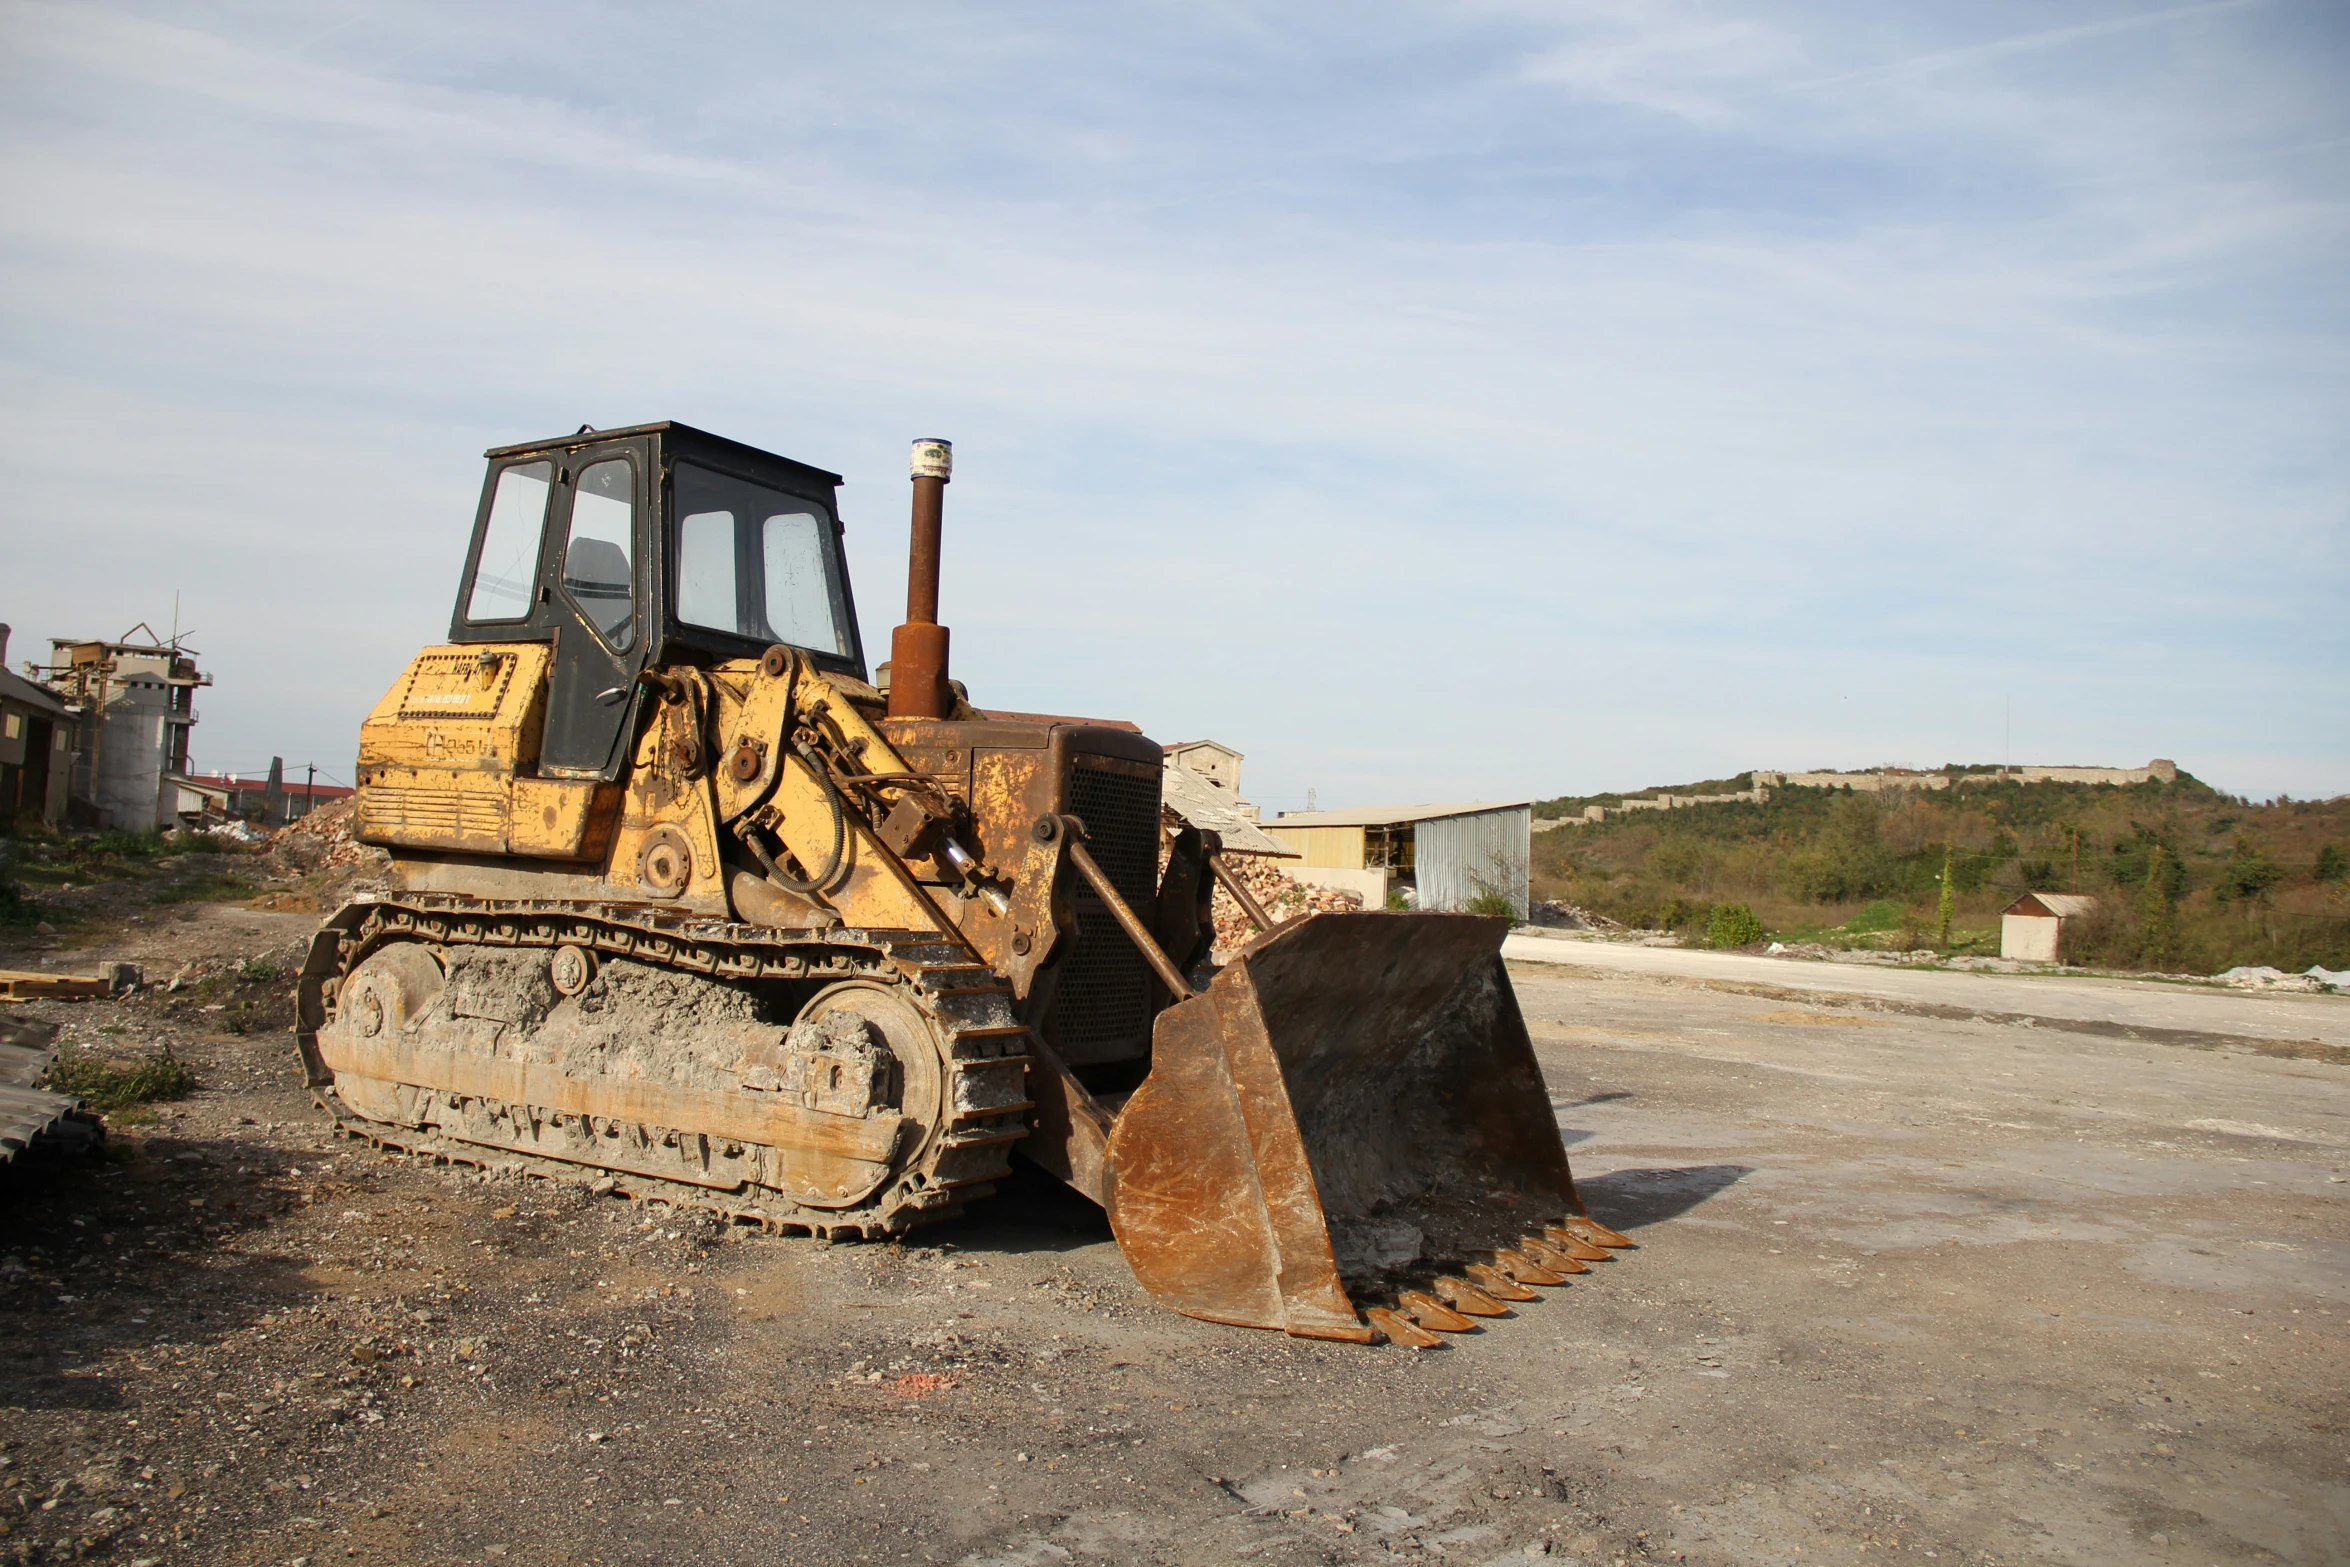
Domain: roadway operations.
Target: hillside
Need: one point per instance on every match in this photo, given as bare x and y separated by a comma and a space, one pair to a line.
2189, 879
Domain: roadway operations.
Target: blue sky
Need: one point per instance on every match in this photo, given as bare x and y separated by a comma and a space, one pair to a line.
1434, 402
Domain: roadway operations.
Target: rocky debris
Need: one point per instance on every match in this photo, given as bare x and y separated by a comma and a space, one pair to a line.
332, 864
322, 840
1559, 915
1282, 896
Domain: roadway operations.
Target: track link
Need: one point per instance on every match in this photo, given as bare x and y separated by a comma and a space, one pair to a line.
983, 1048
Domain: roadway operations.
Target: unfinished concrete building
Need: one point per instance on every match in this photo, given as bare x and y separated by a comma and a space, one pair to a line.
132, 705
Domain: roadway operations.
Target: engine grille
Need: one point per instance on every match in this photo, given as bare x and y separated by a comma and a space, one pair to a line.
1101, 1011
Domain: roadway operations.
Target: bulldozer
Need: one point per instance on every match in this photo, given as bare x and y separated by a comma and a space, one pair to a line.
685, 905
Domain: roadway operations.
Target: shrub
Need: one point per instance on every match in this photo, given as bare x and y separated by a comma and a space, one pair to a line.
2249, 873
1732, 925
157, 1075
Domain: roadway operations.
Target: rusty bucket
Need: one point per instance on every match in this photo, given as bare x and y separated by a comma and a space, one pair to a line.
1351, 1107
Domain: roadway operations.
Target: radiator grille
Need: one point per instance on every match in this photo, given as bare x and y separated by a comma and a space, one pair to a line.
431, 818
1102, 1009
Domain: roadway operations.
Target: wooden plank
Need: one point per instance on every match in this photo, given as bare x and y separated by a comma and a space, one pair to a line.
19, 985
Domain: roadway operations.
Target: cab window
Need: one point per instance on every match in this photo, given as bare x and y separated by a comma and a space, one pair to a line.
756, 562
599, 551
505, 579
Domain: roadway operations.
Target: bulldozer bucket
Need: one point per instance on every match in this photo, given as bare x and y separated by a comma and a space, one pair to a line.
1350, 1109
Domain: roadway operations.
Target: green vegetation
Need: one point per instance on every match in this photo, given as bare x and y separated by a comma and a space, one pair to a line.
2187, 878
157, 1075
16, 911
210, 887
1496, 903
1732, 925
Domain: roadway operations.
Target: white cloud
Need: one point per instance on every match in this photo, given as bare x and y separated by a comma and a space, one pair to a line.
1677, 58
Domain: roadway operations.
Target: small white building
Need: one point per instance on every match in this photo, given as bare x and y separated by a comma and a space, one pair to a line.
2032, 927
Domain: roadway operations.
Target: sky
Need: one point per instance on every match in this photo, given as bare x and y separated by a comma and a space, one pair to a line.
1434, 402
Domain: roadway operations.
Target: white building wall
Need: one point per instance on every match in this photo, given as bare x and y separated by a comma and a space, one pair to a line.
2030, 938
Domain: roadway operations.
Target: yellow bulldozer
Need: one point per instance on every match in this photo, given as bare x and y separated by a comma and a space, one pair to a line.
683, 906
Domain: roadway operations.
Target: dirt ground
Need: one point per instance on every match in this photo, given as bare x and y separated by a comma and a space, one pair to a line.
1909, 1287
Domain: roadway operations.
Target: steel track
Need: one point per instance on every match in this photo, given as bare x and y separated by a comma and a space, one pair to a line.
983, 1049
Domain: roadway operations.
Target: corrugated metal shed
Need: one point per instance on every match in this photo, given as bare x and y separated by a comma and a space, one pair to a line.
1458, 851
1459, 858
1391, 815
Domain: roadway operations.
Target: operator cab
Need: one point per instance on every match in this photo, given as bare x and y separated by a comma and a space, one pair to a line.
652, 545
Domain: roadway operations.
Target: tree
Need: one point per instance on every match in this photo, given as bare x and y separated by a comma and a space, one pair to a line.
2250, 873
2154, 912
1947, 905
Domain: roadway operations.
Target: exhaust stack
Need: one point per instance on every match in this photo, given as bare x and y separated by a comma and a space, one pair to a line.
918, 649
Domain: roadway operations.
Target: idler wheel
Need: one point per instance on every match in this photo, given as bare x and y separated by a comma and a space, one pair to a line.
570, 969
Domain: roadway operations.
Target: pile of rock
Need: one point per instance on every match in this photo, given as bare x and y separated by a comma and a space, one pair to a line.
322, 840
1282, 897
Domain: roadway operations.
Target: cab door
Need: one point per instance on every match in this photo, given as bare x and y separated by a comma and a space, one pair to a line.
597, 608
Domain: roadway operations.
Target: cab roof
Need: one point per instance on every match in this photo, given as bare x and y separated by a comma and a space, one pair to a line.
687, 435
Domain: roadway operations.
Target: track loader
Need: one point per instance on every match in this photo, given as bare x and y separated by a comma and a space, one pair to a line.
681, 905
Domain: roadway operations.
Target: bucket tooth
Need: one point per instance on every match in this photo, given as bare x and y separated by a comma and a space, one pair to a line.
1563, 1239
1549, 1256
1525, 1269
1429, 1312
1401, 1329
1496, 1283
1468, 1299
1592, 1230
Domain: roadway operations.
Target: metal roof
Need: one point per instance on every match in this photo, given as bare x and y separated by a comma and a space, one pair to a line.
1202, 804
1391, 815
557, 443
2063, 905
28, 1114
18, 689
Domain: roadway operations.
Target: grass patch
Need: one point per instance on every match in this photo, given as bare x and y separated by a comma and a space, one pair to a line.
1883, 914
212, 887
157, 1075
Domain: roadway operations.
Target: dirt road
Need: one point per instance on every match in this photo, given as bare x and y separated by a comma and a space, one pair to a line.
1909, 1287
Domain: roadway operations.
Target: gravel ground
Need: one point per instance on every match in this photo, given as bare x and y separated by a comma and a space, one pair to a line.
1909, 1287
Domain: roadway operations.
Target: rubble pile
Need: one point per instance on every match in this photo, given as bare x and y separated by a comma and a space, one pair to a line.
322, 840
1282, 897
1568, 916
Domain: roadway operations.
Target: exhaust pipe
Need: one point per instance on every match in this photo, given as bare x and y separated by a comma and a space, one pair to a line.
918, 649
